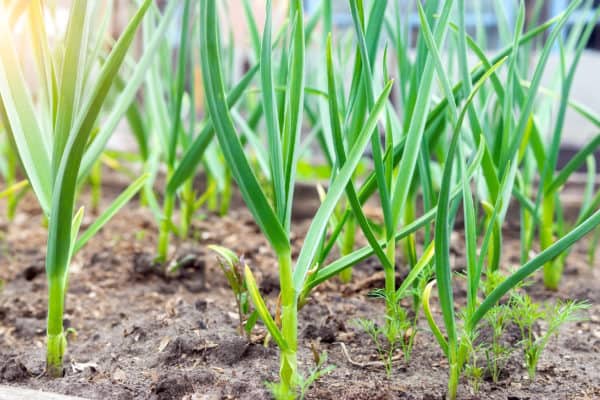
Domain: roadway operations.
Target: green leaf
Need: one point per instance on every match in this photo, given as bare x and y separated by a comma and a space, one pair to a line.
549, 254
272, 121
319, 223
263, 311
194, 154
232, 149
65, 188
32, 145
110, 212
126, 97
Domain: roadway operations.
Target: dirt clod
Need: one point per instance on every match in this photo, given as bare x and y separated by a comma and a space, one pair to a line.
172, 387
13, 370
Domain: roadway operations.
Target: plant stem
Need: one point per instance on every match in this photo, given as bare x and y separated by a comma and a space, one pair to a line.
11, 179
226, 195
457, 359
347, 247
187, 207
165, 226
453, 381
96, 183
211, 185
390, 280
289, 325
552, 270
56, 340
526, 229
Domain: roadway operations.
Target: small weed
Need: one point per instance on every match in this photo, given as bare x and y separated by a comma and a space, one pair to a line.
527, 314
233, 269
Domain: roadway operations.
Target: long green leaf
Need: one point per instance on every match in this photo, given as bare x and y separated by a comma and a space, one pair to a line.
110, 212
228, 139
59, 235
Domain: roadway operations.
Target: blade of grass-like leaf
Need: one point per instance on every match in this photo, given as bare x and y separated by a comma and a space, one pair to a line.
535, 82
416, 271
134, 82
254, 141
581, 109
480, 70
573, 165
326, 272
194, 154
76, 224
534, 264
184, 53
336, 130
470, 246
110, 212
71, 79
263, 311
13, 189
228, 139
437, 62
157, 99
590, 183
442, 223
272, 120
417, 124
42, 55
294, 105
434, 117
437, 333
20, 115
253, 28
57, 258
367, 85
566, 84
507, 109
337, 188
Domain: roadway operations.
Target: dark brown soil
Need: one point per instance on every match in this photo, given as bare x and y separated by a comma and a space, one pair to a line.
144, 335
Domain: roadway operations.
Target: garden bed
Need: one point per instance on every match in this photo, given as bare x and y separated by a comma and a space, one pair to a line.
143, 335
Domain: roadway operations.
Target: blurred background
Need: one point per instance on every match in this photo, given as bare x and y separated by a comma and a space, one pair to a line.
482, 20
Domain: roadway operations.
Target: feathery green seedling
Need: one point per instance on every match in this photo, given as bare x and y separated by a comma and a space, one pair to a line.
473, 370
275, 219
54, 145
526, 314
496, 352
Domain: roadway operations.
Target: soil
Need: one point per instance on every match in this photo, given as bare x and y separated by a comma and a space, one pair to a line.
141, 334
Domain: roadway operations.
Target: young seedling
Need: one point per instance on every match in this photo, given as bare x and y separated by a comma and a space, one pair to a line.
55, 144
394, 335
473, 370
527, 314
496, 353
233, 269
